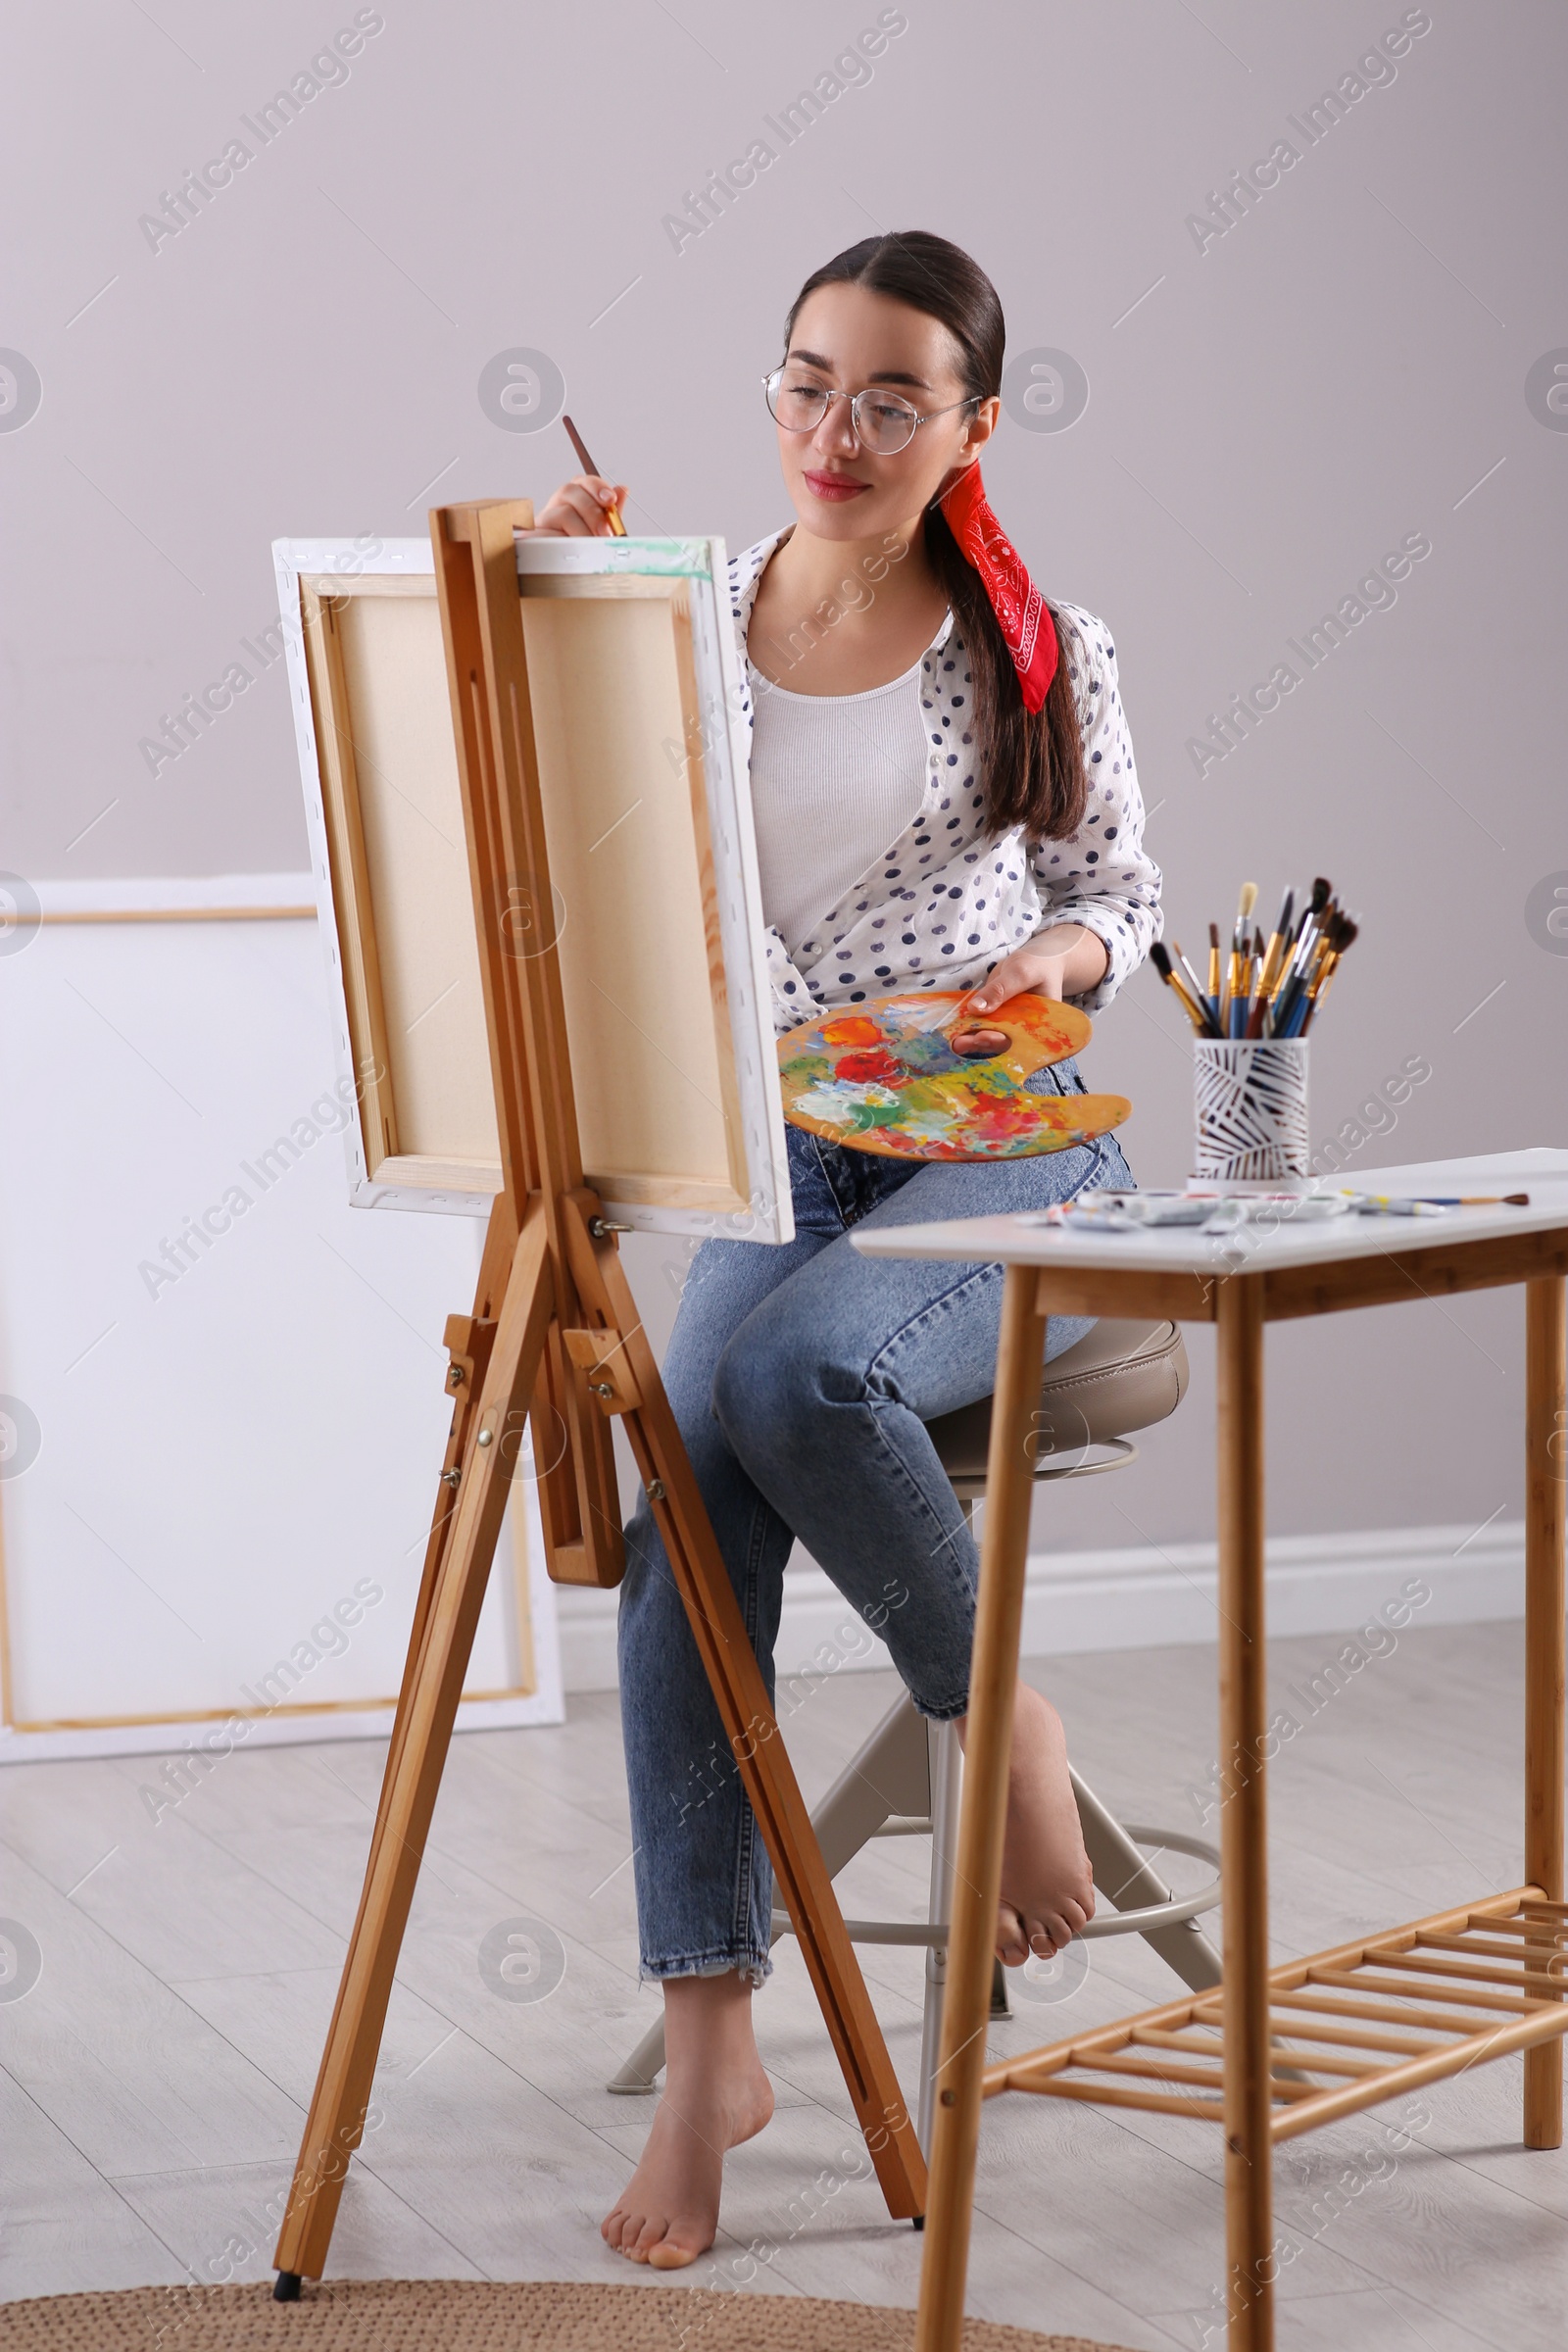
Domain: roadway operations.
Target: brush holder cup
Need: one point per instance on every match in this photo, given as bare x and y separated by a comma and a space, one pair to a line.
1250, 1111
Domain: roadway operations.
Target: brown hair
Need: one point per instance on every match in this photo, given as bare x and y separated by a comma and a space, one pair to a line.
1031, 763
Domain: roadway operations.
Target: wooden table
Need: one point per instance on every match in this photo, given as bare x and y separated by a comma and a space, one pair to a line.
1272, 2052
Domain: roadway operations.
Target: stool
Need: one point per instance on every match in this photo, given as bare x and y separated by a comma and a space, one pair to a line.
906, 1780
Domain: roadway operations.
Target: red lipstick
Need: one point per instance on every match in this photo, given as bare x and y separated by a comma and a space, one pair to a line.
834, 488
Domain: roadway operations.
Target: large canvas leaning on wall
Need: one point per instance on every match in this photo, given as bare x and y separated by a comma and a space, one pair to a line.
226, 1388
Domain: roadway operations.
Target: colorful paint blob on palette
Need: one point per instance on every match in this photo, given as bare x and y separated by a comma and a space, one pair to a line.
903, 1078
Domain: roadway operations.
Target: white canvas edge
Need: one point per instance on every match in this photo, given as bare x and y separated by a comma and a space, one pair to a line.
292, 557
727, 769
177, 895
170, 1739
770, 1217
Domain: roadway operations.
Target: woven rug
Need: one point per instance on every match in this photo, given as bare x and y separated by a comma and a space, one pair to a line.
449, 2315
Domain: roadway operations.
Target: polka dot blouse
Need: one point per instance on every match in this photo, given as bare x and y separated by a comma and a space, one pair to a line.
946, 902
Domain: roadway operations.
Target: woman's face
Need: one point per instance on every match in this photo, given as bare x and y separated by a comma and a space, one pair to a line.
848, 339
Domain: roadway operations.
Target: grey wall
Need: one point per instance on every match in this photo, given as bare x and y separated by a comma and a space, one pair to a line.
1270, 409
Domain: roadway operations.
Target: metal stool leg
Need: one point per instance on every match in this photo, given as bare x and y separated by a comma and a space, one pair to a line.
889, 1778
1127, 1878
947, 1788
910, 1773
1122, 1873
642, 2070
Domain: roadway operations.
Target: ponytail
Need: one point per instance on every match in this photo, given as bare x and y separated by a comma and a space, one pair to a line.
1031, 763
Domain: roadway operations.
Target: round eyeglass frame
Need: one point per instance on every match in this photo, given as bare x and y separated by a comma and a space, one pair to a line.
771, 383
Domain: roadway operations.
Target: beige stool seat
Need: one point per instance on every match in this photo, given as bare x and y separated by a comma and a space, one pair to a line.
1119, 1377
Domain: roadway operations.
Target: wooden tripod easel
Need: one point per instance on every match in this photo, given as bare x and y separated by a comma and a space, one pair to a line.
553, 1332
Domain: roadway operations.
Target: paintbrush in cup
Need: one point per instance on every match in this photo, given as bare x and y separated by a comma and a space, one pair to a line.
1234, 993
1194, 1006
1296, 961
1193, 981
1338, 933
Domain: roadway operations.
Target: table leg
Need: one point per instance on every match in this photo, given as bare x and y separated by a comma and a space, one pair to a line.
1244, 1817
1547, 1469
977, 1878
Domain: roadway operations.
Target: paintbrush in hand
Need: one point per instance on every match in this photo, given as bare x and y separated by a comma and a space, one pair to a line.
617, 529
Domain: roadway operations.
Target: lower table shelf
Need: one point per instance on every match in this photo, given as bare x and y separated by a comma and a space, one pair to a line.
1376, 2017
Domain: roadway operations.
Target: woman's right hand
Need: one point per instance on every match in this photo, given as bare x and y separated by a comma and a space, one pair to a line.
578, 510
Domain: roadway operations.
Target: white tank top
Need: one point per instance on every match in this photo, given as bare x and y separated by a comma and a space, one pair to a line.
835, 780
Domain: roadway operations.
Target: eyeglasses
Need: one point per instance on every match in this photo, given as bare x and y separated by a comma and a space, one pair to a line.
881, 421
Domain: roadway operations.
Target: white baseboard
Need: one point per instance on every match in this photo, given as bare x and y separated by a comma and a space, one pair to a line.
1140, 1597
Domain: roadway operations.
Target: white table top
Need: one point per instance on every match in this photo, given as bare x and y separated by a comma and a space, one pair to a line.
1184, 1249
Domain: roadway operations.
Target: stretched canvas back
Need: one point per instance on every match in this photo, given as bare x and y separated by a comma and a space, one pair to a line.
654, 906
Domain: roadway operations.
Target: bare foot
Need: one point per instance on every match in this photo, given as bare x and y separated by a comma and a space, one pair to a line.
716, 2094
1047, 1891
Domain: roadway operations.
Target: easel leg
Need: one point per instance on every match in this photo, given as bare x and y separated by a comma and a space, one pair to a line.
1547, 1469
427, 1712
977, 1882
1244, 1819
499, 1249
741, 1696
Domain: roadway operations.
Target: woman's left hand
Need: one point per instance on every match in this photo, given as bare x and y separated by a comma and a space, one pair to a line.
1065, 960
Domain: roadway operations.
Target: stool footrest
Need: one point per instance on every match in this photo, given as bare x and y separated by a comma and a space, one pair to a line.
1172, 1914
875, 1931
1180, 1908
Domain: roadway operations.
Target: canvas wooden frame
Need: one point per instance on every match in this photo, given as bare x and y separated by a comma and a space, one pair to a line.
637, 719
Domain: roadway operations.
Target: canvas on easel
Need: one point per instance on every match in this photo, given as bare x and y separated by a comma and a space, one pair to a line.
653, 906
600, 1057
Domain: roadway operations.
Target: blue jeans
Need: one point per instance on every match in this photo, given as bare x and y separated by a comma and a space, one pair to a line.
802, 1378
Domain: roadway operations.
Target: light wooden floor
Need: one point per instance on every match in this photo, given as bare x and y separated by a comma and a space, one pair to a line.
154, 2077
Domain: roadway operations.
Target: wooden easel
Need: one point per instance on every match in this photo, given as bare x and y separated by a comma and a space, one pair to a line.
553, 1332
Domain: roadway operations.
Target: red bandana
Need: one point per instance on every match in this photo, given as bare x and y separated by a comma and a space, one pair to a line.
1016, 602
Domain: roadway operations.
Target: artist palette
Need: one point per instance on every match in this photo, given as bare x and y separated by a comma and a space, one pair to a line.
902, 1077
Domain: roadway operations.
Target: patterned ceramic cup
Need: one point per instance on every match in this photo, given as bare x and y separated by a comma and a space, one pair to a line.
1249, 1109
